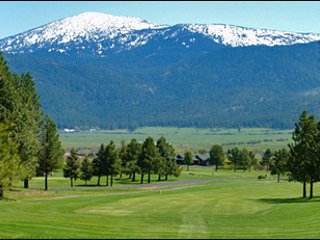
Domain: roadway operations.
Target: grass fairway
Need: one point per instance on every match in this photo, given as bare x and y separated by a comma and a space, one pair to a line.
227, 206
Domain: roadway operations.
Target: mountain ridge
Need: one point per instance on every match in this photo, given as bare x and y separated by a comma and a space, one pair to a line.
107, 32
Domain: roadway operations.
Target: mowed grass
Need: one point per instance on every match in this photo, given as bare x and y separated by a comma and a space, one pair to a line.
255, 139
231, 205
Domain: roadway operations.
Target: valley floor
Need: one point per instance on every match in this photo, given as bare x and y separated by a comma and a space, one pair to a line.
194, 139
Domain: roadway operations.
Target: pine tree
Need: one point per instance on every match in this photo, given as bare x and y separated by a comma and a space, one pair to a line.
149, 153
9, 158
20, 104
217, 156
123, 158
51, 153
235, 157
252, 160
266, 159
245, 159
72, 166
304, 159
113, 164
97, 164
188, 159
279, 163
86, 170
133, 153
167, 164
28, 116
8, 93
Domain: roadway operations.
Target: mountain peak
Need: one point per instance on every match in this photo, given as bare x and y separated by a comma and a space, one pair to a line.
95, 20
84, 27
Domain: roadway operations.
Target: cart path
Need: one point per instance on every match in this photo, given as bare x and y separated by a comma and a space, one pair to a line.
149, 185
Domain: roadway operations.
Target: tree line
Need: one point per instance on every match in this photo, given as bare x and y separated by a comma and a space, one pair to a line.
300, 161
130, 159
29, 142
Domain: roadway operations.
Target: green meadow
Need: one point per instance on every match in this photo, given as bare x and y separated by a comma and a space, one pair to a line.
195, 139
225, 204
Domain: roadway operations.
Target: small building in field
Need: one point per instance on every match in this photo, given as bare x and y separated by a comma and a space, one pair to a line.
203, 160
200, 160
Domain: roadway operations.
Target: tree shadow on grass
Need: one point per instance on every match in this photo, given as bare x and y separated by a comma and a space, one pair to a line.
5, 199
288, 200
16, 189
89, 185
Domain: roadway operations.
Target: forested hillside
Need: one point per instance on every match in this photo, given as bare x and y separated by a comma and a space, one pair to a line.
224, 87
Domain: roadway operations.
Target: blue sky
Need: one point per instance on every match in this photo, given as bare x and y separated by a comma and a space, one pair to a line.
16, 17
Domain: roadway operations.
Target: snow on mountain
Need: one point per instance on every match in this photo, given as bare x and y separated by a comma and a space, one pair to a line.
85, 27
240, 37
99, 32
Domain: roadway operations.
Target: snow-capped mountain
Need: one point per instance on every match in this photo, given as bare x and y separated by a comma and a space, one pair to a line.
104, 30
99, 33
104, 71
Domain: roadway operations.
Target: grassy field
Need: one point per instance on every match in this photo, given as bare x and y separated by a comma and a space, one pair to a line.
228, 205
255, 139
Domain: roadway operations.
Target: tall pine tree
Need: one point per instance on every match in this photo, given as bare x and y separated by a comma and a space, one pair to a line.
149, 153
9, 158
86, 170
51, 152
72, 167
133, 153
304, 160
216, 156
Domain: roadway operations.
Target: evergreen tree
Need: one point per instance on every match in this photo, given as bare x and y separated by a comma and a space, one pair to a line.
123, 158
27, 129
9, 158
51, 152
171, 166
303, 161
252, 160
245, 160
86, 170
113, 164
217, 156
235, 157
97, 164
266, 158
133, 152
20, 104
149, 153
279, 163
72, 166
188, 159
159, 166
8, 93
166, 165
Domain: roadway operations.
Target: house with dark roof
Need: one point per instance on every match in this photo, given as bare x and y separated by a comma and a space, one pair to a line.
200, 160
